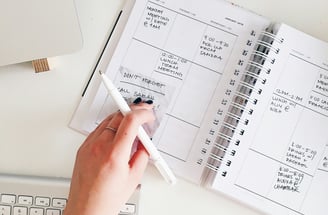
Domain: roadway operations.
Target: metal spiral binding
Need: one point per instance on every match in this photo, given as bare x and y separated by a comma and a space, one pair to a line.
272, 36
229, 131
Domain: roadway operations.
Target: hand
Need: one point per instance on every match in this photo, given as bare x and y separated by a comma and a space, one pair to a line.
105, 174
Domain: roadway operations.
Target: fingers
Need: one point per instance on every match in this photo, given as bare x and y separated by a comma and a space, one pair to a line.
109, 131
138, 163
119, 143
115, 121
93, 135
128, 130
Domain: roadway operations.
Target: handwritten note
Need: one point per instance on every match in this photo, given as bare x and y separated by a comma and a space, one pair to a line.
300, 156
132, 85
287, 94
319, 103
155, 18
322, 84
172, 65
280, 105
324, 161
211, 47
288, 179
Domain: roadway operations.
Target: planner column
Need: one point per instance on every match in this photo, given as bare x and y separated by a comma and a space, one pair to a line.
296, 120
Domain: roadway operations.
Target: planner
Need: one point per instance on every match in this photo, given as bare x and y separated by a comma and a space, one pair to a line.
244, 100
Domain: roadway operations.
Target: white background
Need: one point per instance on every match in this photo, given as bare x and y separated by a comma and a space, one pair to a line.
35, 109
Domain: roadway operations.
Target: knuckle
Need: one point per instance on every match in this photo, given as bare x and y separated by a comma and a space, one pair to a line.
140, 116
131, 118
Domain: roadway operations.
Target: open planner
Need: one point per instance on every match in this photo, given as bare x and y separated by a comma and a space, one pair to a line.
245, 99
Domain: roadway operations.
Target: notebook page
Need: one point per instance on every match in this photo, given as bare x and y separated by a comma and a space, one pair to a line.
282, 163
188, 45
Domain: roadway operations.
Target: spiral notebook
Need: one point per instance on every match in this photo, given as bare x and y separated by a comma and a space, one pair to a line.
248, 115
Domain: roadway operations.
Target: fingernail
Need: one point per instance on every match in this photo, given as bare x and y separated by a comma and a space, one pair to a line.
149, 102
137, 100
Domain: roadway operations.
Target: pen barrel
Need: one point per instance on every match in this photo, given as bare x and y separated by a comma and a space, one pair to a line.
123, 106
148, 144
159, 162
165, 171
115, 95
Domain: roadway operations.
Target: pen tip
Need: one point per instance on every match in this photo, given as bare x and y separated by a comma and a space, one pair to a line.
100, 72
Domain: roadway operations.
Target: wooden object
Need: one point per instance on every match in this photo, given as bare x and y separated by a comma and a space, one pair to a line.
40, 65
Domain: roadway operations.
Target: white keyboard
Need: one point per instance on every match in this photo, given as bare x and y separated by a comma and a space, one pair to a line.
15, 204
24, 195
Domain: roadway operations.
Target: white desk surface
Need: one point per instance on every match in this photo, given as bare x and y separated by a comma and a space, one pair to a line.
36, 108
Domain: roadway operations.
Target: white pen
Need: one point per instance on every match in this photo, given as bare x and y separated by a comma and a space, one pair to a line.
159, 162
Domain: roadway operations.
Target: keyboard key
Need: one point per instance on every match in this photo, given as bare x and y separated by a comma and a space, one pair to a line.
59, 203
20, 211
53, 212
128, 209
36, 211
8, 198
5, 210
25, 204
25, 200
42, 201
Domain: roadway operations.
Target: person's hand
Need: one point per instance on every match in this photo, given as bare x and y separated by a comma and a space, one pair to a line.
105, 174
